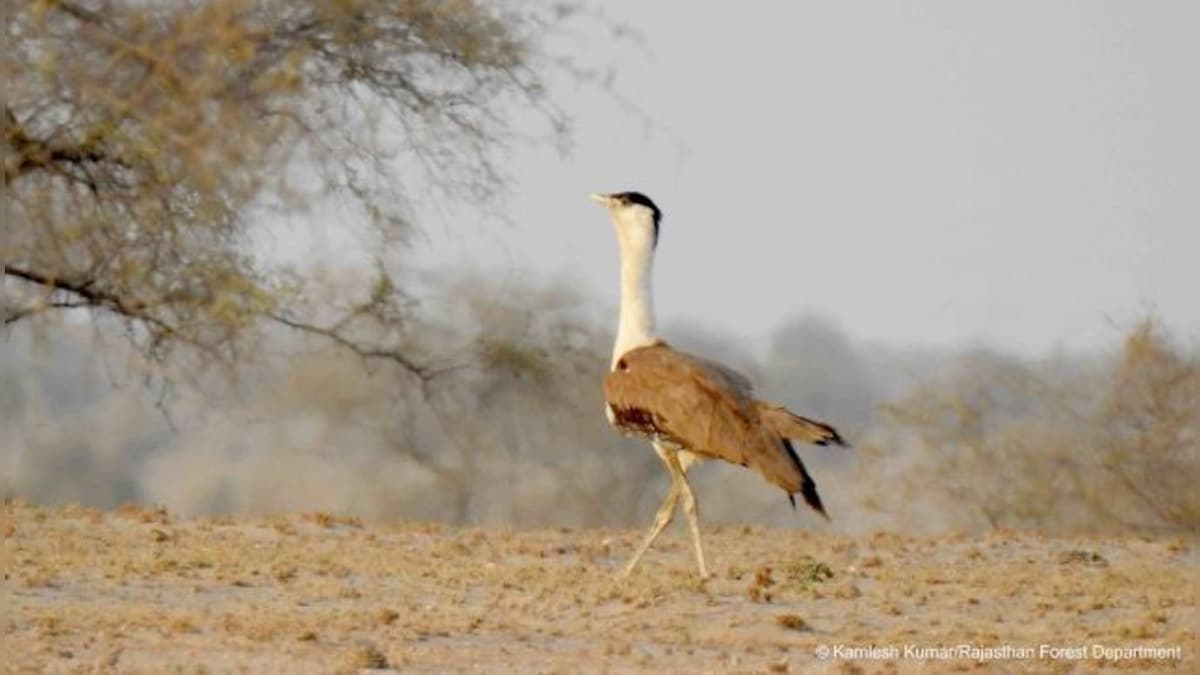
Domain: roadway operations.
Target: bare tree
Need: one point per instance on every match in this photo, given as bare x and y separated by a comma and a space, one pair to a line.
143, 142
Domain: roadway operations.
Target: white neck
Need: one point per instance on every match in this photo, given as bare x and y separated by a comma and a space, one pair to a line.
636, 325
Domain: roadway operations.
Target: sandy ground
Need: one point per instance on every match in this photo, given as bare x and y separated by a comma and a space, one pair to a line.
138, 590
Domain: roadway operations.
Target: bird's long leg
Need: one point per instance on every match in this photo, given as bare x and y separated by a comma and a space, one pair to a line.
690, 508
665, 514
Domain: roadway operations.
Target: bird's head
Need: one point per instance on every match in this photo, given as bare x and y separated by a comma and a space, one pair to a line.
634, 216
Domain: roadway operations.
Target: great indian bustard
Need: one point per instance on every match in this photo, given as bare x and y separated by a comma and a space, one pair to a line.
688, 407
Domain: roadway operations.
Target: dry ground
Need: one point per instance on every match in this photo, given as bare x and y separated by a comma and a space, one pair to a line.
137, 590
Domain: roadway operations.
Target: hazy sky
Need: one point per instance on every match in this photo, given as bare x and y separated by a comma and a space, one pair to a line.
1020, 174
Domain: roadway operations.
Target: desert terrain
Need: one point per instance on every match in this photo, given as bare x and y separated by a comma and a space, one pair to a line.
138, 590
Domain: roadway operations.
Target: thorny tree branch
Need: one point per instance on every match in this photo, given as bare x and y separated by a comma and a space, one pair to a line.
424, 373
31, 153
14, 315
87, 295
85, 291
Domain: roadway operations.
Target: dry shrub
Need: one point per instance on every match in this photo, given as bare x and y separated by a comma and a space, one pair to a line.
994, 442
1151, 434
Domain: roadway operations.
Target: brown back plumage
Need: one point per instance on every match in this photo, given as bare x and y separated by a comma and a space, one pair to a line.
709, 410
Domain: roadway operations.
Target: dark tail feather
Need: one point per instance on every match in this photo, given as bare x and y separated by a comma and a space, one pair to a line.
808, 487
809, 490
790, 425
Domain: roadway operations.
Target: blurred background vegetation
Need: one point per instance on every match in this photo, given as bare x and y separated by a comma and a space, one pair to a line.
161, 347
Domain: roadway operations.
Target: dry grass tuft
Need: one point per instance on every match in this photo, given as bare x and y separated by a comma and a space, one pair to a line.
1087, 558
364, 657
143, 514
331, 520
758, 591
792, 622
803, 573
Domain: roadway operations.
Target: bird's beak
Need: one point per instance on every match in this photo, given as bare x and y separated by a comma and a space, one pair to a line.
600, 198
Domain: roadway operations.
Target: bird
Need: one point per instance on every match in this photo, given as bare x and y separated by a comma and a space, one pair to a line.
690, 408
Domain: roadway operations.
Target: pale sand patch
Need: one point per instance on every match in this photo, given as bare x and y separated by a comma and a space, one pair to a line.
138, 591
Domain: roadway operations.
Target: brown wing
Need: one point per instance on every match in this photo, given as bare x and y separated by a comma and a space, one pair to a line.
790, 425
736, 383
667, 395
